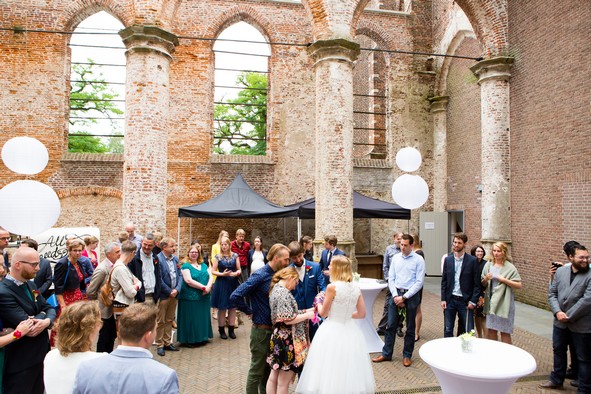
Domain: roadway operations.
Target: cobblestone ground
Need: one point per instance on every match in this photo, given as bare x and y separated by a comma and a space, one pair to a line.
222, 365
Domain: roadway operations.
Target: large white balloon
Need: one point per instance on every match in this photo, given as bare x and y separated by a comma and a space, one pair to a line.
410, 191
28, 207
25, 155
408, 159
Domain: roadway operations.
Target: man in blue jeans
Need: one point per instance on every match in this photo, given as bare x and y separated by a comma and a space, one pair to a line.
460, 288
405, 280
256, 288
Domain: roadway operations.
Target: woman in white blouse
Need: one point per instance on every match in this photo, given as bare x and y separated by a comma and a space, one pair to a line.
77, 329
257, 257
124, 284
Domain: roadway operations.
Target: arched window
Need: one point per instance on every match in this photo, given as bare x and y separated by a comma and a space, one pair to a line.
369, 102
390, 5
97, 86
241, 84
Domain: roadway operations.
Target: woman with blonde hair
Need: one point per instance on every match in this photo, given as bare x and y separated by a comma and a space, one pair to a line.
336, 343
500, 278
289, 340
77, 329
226, 267
215, 250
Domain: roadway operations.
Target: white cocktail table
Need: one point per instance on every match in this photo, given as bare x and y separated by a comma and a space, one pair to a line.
370, 288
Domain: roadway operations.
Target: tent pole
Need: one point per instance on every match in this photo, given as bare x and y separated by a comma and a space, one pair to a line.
299, 229
370, 236
190, 231
178, 232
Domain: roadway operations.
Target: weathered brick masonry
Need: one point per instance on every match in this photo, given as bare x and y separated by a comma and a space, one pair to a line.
523, 137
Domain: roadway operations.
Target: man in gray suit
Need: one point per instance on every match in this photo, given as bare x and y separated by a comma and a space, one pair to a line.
570, 301
129, 368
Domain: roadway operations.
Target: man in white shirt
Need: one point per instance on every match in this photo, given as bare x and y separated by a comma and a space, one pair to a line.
145, 267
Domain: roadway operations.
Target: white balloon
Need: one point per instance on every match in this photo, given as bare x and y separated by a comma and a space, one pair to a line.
28, 207
410, 191
408, 159
25, 155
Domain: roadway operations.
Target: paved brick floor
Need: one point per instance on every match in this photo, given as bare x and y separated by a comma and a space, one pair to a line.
221, 366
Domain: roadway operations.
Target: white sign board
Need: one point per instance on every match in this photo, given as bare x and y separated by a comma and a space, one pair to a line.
52, 243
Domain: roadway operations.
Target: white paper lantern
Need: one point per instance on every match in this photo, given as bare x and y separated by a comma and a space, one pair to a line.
408, 159
28, 207
410, 191
25, 155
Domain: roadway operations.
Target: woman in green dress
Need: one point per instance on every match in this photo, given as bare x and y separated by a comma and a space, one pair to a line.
194, 315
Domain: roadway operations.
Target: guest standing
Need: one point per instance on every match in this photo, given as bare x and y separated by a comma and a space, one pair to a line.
77, 330
289, 340
169, 290
124, 284
257, 256
479, 317
19, 301
91, 244
226, 267
241, 248
500, 278
257, 289
194, 301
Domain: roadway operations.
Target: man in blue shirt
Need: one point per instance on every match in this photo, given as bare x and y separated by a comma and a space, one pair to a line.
256, 288
405, 279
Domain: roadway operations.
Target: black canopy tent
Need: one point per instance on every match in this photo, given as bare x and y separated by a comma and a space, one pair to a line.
363, 207
238, 200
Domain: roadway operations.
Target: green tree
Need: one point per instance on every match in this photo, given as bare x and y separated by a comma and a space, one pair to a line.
91, 97
241, 123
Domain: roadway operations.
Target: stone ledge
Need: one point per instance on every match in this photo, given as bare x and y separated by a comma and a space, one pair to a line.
115, 157
87, 191
240, 159
371, 163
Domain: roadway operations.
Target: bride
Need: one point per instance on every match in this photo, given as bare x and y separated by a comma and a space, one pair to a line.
338, 361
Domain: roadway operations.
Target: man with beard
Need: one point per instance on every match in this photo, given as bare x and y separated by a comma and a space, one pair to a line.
570, 301
311, 280
20, 300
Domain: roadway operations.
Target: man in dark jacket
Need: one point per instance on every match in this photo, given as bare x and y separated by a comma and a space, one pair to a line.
145, 267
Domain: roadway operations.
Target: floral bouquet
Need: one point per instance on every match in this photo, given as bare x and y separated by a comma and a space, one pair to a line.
356, 276
466, 339
318, 300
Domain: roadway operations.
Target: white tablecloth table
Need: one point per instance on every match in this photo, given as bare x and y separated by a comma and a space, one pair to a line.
491, 368
370, 288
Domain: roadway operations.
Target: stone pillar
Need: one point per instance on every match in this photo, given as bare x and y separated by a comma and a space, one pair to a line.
439, 111
147, 96
493, 77
334, 141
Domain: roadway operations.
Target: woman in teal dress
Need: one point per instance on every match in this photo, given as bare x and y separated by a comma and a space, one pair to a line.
194, 315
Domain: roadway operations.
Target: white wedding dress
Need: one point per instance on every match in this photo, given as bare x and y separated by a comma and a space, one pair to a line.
338, 361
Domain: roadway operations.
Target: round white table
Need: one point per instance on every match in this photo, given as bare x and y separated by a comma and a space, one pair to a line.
491, 368
370, 288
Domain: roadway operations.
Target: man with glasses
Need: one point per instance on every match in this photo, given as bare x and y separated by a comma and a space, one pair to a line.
20, 300
570, 301
4, 239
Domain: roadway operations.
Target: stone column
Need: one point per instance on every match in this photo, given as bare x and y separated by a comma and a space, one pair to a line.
439, 111
334, 141
493, 77
147, 96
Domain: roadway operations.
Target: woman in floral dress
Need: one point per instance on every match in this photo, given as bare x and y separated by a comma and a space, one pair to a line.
289, 340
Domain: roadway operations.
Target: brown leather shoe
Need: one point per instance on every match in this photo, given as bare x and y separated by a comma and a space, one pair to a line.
551, 385
406, 362
380, 358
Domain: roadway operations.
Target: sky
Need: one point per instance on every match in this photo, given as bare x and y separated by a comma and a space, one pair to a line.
114, 55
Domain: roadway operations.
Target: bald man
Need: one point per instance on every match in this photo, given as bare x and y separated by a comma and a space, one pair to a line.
20, 300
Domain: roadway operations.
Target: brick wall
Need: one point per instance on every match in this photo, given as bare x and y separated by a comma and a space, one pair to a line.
464, 140
550, 150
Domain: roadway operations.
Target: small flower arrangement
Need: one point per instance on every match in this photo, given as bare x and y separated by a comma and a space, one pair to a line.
466, 339
35, 294
356, 276
308, 268
318, 300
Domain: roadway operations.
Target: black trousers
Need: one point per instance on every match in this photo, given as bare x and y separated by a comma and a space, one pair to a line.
107, 336
27, 381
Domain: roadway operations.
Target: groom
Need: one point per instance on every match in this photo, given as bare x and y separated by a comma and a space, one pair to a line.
311, 280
